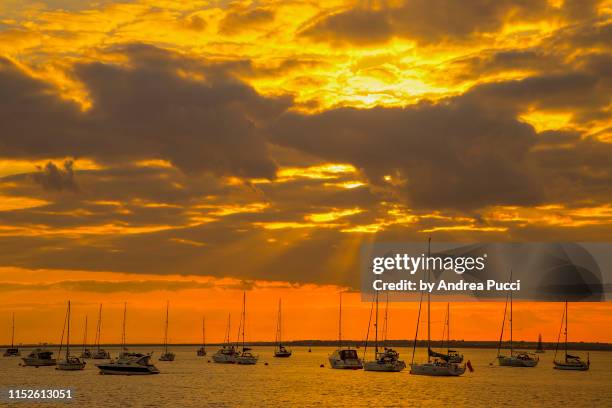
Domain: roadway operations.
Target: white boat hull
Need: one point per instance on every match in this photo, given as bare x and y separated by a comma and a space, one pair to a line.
224, 359
247, 360
582, 366
437, 370
36, 362
352, 364
393, 366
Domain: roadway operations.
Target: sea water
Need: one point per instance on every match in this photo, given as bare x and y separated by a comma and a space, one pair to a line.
299, 381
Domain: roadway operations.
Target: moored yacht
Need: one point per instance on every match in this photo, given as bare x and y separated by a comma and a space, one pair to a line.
570, 362
69, 363
202, 350
514, 358
388, 359
86, 353
245, 357
167, 355
227, 353
279, 349
441, 366
39, 357
12, 351
344, 357
136, 364
128, 363
99, 353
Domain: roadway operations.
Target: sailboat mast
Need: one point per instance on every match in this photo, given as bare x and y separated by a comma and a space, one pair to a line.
566, 330
13, 332
99, 328
85, 335
123, 328
204, 333
511, 344
166, 328
376, 328
279, 331
243, 316
428, 305
68, 334
448, 327
340, 323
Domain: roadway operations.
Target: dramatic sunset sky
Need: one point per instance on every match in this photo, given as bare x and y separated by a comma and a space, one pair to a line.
187, 150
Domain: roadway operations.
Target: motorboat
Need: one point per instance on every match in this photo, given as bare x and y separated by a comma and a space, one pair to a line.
39, 357
139, 364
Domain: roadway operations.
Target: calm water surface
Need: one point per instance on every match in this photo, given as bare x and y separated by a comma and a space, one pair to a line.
192, 381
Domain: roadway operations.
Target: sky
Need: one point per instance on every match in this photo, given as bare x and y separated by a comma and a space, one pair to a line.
187, 151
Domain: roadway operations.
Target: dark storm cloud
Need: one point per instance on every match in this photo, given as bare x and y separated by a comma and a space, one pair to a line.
143, 111
473, 150
53, 178
424, 21
453, 154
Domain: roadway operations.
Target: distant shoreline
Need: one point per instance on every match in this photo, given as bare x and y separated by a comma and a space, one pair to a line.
524, 345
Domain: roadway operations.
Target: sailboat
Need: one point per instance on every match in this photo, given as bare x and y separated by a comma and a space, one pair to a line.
540, 348
570, 362
69, 363
128, 363
227, 353
388, 359
280, 350
99, 354
515, 359
12, 351
344, 357
202, 350
440, 366
86, 353
245, 357
453, 355
168, 355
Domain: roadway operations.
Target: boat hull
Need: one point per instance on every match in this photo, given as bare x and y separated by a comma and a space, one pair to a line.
246, 360
437, 370
12, 352
505, 361
282, 354
109, 370
345, 364
35, 362
167, 357
391, 367
224, 359
571, 366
